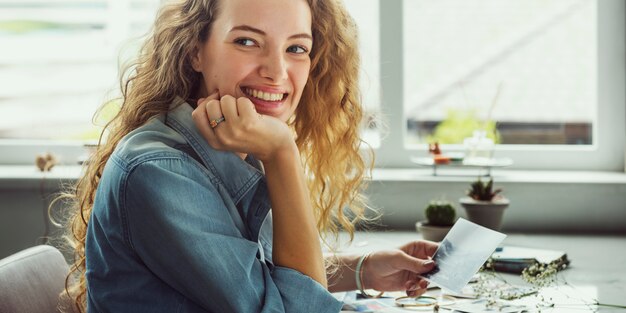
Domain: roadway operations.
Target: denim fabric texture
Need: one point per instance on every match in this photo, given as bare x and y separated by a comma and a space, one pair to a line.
178, 227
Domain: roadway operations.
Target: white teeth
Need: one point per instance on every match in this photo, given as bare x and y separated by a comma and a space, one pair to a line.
264, 95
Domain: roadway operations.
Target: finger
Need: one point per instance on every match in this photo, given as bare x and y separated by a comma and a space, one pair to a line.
423, 284
213, 109
246, 108
214, 117
421, 249
417, 289
411, 291
201, 121
415, 284
199, 114
415, 265
229, 108
430, 248
416, 293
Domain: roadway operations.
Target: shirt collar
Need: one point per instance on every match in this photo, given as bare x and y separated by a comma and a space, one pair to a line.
230, 170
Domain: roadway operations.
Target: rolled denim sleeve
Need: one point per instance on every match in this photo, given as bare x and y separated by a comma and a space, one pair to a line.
180, 227
303, 294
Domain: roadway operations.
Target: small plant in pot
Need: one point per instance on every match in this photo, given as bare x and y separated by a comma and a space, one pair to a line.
440, 216
484, 205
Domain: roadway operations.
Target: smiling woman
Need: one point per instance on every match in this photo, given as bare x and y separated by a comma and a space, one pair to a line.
235, 149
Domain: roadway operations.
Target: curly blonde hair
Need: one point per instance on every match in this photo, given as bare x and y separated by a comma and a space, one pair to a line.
327, 133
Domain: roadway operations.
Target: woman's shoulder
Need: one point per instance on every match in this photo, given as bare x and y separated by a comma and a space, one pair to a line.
151, 141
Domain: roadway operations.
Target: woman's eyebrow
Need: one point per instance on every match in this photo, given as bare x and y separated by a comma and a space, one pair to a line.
260, 32
248, 28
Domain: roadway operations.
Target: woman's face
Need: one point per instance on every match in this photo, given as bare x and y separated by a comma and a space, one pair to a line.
259, 50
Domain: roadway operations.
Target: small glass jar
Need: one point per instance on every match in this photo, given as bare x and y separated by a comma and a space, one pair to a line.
479, 146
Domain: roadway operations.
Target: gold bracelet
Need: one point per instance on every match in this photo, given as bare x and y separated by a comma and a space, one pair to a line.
408, 301
359, 277
422, 301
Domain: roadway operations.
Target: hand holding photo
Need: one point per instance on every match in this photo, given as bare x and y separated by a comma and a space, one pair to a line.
461, 254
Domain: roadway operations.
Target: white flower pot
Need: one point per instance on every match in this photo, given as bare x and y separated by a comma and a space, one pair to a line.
486, 213
432, 233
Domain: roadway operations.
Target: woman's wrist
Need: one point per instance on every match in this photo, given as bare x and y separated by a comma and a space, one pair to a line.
358, 272
287, 153
342, 276
360, 275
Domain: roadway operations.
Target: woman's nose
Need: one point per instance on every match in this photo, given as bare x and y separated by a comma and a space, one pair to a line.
274, 66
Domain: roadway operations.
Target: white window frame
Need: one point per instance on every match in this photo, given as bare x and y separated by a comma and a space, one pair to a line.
606, 153
609, 131
70, 152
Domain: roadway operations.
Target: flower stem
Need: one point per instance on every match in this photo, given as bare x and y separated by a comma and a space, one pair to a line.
611, 305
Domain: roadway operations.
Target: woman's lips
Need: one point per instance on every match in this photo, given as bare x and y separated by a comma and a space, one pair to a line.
268, 102
269, 95
267, 107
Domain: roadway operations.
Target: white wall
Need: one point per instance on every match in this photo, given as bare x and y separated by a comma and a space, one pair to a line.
541, 202
537, 204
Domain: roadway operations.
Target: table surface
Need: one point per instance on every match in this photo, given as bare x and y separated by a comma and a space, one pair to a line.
597, 269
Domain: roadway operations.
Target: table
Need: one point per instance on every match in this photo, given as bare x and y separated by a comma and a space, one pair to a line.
598, 262
476, 163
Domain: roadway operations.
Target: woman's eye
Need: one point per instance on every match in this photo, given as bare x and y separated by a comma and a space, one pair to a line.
297, 49
245, 41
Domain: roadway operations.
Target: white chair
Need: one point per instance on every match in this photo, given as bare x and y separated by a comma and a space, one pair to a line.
32, 280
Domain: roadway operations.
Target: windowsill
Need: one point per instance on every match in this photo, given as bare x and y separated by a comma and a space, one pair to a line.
27, 176
501, 176
541, 201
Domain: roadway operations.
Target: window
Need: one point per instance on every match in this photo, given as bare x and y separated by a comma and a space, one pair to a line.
365, 14
60, 59
61, 56
59, 64
559, 99
527, 67
557, 66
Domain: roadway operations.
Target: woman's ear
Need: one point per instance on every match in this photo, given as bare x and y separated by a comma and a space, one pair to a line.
196, 58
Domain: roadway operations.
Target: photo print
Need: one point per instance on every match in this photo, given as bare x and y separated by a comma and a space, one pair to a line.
461, 254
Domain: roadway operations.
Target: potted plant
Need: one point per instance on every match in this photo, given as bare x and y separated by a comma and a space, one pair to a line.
440, 216
485, 206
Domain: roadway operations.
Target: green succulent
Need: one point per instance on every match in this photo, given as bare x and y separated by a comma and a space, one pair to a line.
483, 192
440, 213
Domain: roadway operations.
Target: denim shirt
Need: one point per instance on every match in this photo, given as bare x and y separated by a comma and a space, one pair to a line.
177, 226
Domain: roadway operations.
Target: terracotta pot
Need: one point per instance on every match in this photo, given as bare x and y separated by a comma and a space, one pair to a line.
485, 213
432, 233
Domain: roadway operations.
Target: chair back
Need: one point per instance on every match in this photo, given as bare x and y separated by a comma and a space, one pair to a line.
32, 280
